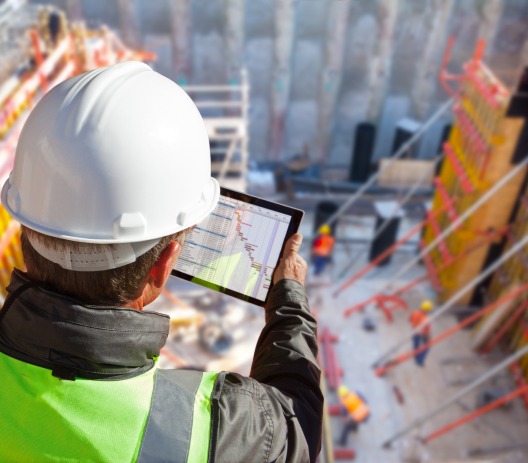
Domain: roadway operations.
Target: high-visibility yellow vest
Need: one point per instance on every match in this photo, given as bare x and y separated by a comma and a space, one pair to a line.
160, 415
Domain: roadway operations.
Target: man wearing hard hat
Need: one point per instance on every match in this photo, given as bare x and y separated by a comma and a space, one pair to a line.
419, 319
112, 167
355, 410
322, 249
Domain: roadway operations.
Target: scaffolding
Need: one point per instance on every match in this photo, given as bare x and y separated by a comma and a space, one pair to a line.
483, 148
475, 232
225, 110
41, 49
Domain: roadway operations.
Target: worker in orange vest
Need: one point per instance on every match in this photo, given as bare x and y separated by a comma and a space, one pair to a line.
417, 318
322, 249
356, 411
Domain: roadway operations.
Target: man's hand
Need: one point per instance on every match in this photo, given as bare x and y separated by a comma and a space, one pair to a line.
291, 266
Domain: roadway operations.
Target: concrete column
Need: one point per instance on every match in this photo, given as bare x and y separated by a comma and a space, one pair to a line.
308, 61
128, 23
74, 10
234, 37
491, 13
381, 61
181, 40
284, 35
426, 78
331, 76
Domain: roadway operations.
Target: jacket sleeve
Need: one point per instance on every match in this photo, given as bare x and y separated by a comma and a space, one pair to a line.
276, 413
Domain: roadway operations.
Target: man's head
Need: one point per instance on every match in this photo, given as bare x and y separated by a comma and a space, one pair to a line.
114, 287
111, 165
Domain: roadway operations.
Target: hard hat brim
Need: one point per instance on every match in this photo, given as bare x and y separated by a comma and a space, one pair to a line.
201, 211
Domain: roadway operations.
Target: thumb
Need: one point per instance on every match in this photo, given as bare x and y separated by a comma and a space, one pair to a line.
293, 244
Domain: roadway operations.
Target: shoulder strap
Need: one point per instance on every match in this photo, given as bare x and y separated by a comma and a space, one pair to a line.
179, 422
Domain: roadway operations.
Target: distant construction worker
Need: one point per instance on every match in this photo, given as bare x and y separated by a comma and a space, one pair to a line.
322, 249
422, 337
355, 410
112, 168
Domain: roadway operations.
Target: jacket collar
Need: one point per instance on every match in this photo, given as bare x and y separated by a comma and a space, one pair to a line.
72, 339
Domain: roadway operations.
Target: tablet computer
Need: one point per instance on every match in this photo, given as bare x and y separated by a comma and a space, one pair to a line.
237, 247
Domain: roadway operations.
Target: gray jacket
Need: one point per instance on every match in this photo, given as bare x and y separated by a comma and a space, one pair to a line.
274, 415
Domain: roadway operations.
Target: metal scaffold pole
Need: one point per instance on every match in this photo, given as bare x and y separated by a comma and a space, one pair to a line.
476, 414
403, 149
485, 197
452, 330
462, 392
451, 302
398, 208
442, 236
489, 237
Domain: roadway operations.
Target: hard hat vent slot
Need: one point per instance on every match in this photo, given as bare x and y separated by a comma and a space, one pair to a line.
191, 215
130, 224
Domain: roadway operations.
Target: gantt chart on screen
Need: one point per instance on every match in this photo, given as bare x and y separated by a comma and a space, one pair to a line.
237, 247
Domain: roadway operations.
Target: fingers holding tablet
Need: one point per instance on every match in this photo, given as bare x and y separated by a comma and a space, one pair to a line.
291, 266
235, 250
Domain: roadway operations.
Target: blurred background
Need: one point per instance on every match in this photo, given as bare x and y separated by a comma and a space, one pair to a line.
399, 127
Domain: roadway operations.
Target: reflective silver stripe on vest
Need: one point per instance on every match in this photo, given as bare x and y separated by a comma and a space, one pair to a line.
168, 431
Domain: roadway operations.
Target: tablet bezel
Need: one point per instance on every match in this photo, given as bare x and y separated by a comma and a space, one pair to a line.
293, 227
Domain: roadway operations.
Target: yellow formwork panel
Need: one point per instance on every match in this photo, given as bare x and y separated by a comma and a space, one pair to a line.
519, 340
479, 152
10, 249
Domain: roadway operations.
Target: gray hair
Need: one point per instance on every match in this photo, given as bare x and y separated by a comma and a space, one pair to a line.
115, 287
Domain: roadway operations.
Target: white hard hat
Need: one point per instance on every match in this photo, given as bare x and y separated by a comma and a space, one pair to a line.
115, 155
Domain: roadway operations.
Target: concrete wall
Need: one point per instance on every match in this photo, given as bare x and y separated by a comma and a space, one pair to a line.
318, 67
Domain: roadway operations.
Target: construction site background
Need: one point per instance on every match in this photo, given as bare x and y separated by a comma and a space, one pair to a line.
400, 124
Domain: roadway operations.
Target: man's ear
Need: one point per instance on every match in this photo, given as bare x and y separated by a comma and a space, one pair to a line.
163, 266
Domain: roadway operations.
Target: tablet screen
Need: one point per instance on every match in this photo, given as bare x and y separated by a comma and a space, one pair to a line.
237, 247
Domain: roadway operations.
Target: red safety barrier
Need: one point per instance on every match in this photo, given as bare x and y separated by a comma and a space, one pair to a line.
332, 370
344, 454
446, 255
367, 268
406, 356
448, 201
388, 304
473, 135
432, 272
437, 231
471, 416
445, 76
489, 92
467, 186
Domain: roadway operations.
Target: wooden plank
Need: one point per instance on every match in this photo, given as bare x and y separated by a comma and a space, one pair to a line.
404, 173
